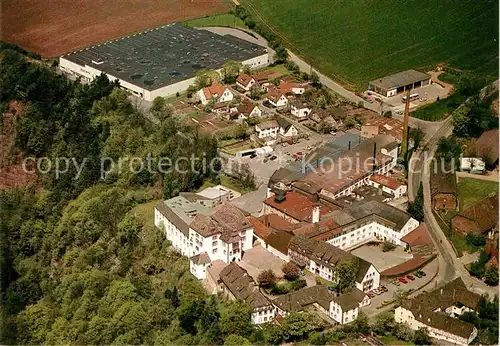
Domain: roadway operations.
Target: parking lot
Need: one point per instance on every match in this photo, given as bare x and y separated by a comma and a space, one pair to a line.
382, 260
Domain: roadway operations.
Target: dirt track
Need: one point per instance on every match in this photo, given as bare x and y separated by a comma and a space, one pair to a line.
54, 27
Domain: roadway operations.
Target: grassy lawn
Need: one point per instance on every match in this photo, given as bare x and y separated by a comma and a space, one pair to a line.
449, 78
472, 190
440, 109
461, 244
226, 181
357, 41
145, 213
392, 340
226, 19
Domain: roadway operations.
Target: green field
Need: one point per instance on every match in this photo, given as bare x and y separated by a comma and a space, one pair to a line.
472, 190
226, 19
355, 41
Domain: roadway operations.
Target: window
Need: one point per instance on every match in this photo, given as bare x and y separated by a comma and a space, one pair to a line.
214, 243
214, 251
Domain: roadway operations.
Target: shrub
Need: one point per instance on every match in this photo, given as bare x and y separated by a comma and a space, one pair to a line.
266, 278
290, 271
388, 246
475, 239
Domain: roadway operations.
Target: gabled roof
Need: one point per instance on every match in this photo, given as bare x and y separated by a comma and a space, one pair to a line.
274, 94
424, 305
284, 124
383, 210
303, 298
214, 90
350, 300
399, 79
487, 146
391, 183
296, 206
442, 182
246, 107
244, 79
419, 236
201, 258
480, 217
242, 286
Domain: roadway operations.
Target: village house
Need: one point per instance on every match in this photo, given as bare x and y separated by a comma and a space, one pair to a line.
247, 109
322, 259
478, 218
345, 308
438, 311
419, 242
204, 232
388, 185
286, 128
292, 87
276, 98
273, 234
245, 81
300, 109
235, 283
216, 92
267, 129
486, 148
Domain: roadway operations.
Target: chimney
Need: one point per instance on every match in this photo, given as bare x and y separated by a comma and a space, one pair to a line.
374, 156
349, 145
315, 214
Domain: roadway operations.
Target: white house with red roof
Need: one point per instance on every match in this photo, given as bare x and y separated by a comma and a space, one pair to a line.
217, 92
388, 185
276, 97
245, 81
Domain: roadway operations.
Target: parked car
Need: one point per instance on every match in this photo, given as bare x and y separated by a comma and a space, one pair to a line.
272, 158
417, 274
265, 160
253, 156
411, 277
370, 294
396, 282
402, 280
422, 273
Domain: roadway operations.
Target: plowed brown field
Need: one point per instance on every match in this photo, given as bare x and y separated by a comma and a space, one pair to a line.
54, 27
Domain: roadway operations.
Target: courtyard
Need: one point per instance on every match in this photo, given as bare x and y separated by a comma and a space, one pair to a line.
382, 260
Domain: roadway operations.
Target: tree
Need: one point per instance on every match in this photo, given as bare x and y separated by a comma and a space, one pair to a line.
205, 78
266, 278
161, 109
297, 325
236, 319
314, 78
235, 340
403, 332
475, 239
245, 176
255, 92
346, 273
388, 246
273, 334
384, 323
173, 296
321, 101
449, 149
230, 70
421, 337
350, 122
416, 134
400, 296
491, 275
416, 208
388, 114
290, 271
361, 324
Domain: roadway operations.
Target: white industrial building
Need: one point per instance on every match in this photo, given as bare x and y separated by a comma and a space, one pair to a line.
161, 61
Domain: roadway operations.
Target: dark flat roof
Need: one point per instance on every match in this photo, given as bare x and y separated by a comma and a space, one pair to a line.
164, 55
399, 79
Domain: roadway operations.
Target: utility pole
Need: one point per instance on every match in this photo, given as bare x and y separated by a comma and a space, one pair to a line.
404, 144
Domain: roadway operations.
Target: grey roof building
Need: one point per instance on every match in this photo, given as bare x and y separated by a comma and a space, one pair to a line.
157, 59
399, 82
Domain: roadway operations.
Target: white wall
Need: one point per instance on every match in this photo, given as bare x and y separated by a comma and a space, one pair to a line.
173, 234
263, 316
371, 275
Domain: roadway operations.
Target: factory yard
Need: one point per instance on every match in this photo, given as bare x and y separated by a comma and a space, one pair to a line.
57, 27
382, 260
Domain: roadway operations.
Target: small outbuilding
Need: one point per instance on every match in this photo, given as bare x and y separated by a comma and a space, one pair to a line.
400, 82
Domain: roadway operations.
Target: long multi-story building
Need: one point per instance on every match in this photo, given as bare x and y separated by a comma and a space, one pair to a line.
204, 234
438, 311
323, 260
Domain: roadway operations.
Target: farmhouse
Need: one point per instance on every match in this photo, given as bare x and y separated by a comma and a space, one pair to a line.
438, 311
247, 109
478, 218
161, 61
216, 92
444, 189
400, 82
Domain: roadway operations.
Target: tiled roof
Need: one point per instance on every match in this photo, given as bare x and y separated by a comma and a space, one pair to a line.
350, 300
400, 79
478, 218
383, 210
442, 182
296, 206
246, 107
391, 183
423, 306
487, 146
205, 226
214, 90
303, 298
419, 236
270, 124
242, 286
405, 267
273, 230
226, 219
284, 124
201, 258
244, 79
274, 94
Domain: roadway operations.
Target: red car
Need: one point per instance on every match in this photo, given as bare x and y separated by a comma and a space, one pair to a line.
411, 277
402, 280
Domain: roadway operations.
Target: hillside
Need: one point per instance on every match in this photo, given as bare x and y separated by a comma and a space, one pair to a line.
356, 41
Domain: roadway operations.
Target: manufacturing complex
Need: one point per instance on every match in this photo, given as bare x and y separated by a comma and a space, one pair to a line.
161, 61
